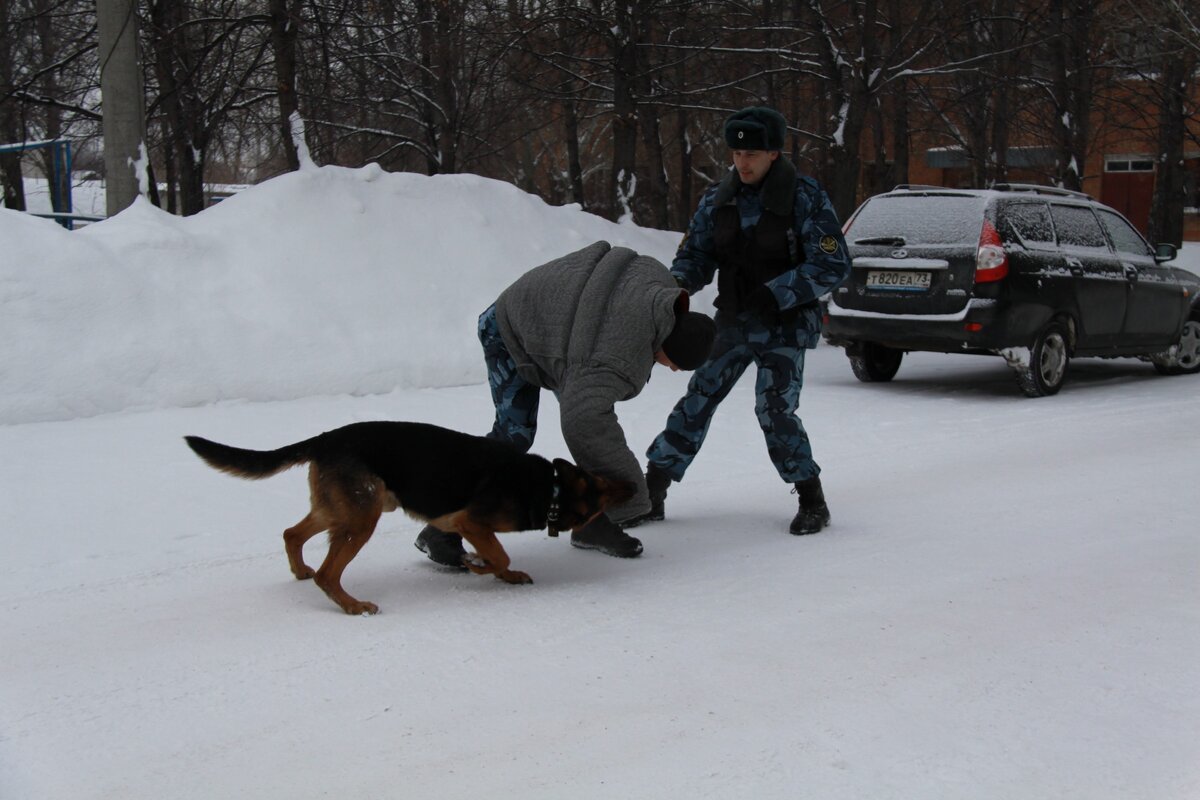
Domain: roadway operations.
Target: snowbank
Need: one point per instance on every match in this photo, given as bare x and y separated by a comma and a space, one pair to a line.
329, 281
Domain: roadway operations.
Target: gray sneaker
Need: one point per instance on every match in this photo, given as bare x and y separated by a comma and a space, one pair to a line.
606, 536
441, 547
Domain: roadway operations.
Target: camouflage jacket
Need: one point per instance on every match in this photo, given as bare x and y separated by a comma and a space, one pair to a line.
819, 261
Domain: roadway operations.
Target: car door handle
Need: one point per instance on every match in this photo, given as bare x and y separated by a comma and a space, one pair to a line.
1075, 265
1131, 273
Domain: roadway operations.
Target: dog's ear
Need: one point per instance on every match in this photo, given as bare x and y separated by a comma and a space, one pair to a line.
584, 495
615, 492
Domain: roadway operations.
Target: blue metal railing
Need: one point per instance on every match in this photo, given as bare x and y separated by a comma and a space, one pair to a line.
60, 179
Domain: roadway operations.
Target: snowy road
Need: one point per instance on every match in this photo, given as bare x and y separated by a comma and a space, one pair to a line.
1006, 606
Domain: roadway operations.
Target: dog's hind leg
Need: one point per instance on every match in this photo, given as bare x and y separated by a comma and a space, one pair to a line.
353, 503
345, 540
488, 547
293, 543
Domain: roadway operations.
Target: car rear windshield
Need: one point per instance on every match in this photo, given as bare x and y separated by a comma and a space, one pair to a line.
920, 219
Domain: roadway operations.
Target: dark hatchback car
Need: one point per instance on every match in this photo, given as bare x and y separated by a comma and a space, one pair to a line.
1034, 274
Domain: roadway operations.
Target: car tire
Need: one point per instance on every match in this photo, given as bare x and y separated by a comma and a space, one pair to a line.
1048, 359
875, 363
1186, 360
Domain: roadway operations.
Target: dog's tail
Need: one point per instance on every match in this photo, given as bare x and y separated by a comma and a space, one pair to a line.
251, 464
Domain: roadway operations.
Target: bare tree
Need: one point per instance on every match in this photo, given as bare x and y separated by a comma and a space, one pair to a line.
614, 104
12, 129
1160, 59
209, 61
977, 97
856, 58
413, 85
1074, 48
47, 82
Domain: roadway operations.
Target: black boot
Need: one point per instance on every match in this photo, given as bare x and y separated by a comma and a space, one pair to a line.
813, 514
657, 481
606, 536
441, 547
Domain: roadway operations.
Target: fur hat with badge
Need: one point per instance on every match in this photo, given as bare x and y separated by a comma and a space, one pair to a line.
756, 128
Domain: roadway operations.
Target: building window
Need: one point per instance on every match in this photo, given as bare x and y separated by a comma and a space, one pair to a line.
1127, 164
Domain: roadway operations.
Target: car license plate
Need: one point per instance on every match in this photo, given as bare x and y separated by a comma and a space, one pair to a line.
898, 280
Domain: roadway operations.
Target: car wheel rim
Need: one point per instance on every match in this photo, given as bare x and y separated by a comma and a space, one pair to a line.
1189, 345
1053, 361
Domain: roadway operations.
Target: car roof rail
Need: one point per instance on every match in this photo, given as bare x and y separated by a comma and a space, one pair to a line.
1039, 189
920, 187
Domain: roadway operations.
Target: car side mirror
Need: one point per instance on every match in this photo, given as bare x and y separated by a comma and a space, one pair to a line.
1164, 251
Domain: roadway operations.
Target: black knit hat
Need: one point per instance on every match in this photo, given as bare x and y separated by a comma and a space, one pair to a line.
690, 341
756, 128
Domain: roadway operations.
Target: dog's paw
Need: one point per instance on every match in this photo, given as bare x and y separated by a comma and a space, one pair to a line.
305, 573
361, 607
514, 576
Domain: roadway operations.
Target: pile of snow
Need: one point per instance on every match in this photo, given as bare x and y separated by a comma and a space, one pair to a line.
324, 281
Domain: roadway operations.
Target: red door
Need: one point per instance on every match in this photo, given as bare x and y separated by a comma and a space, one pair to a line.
1131, 194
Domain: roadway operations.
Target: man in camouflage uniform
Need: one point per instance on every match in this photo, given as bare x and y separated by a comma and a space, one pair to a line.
773, 241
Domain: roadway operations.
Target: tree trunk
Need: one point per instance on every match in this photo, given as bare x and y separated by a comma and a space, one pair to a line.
846, 163
285, 28
622, 183
172, 65
653, 205
172, 176
686, 200
10, 123
449, 15
901, 142
10, 176
574, 167
60, 189
653, 180
1166, 209
1071, 22
850, 95
431, 115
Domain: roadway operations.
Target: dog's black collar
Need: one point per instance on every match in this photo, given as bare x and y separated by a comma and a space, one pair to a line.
552, 513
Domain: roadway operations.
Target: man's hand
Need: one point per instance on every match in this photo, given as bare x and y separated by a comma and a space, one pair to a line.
763, 305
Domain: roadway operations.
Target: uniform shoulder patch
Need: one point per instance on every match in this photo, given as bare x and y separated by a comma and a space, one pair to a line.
828, 244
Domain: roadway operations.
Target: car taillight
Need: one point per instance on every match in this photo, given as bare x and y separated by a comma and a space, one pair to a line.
991, 262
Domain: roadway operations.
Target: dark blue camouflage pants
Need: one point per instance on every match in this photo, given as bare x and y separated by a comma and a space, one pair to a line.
515, 398
778, 352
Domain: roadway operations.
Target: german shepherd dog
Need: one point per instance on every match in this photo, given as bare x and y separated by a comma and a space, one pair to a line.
458, 483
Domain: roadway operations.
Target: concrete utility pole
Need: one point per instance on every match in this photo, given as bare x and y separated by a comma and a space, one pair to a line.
122, 102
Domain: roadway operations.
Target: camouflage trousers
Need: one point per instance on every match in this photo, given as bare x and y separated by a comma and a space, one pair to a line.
778, 354
515, 398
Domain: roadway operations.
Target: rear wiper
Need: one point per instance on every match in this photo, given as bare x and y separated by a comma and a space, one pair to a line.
894, 241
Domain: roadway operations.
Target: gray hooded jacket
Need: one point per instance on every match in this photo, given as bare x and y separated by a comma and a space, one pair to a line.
587, 326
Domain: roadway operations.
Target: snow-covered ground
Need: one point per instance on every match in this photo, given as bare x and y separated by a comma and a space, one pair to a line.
1006, 605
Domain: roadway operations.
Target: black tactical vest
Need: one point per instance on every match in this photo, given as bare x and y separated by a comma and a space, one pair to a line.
748, 258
